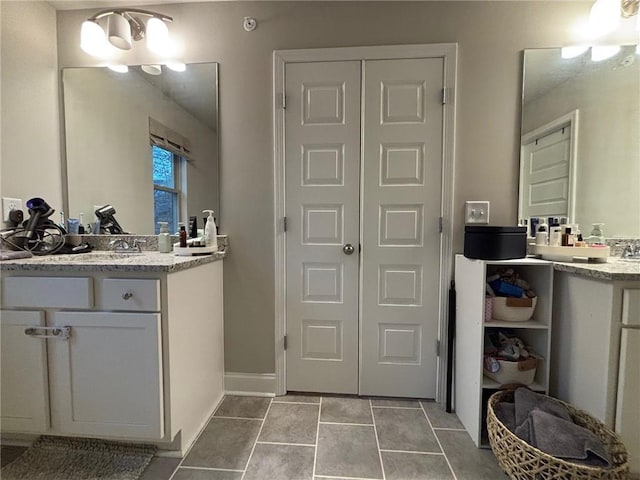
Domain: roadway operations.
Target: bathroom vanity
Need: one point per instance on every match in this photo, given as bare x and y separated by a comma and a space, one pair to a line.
125, 346
596, 344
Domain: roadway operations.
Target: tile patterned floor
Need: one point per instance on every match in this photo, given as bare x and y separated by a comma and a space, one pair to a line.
312, 437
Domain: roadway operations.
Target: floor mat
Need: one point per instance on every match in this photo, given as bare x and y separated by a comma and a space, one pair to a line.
56, 458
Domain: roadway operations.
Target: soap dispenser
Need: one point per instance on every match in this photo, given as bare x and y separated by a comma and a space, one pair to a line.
164, 239
210, 236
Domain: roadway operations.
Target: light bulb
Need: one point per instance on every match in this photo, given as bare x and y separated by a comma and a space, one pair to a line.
572, 52
176, 66
92, 38
604, 17
157, 35
603, 52
152, 69
638, 49
118, 68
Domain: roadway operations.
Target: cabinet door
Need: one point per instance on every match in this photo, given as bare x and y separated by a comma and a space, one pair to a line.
107, 377
23, 365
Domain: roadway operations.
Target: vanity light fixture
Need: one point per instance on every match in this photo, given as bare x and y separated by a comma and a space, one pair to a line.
118, 68
602, 52
176, 66
574, 51
605, 15
151, 69
124, 26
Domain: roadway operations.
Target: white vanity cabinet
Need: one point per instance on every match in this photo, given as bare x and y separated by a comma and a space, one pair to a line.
121, 355
595, 350
472, 387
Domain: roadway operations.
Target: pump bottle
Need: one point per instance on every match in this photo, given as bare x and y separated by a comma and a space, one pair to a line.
210, 235
164, 239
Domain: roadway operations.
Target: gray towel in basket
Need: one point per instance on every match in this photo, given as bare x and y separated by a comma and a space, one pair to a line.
564, 439
526, 400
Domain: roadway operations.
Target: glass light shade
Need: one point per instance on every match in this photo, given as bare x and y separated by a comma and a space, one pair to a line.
119, 31
176, 66
157, 35
152, 69
118, 68
572, 52
92, 38
604, 17
602, 53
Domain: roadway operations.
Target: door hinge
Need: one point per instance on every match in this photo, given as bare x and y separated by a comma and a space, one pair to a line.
437, 348
284, 224
447, 95
285, 342
283, 101
440, 224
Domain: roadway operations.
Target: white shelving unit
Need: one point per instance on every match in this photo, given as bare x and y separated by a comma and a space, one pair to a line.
472, 388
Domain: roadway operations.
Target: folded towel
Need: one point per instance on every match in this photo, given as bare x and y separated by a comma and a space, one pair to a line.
564, 439
506, 413
526, 400
14, 254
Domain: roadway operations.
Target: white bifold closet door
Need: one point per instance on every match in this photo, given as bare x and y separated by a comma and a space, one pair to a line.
363, 147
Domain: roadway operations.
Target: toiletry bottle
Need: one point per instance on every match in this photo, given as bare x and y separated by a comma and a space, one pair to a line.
193, 226
183, 236
210, 232
567, 238
164, 239
555, 236
542, 235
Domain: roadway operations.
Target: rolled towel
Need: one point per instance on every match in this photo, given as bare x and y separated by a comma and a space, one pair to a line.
14, 254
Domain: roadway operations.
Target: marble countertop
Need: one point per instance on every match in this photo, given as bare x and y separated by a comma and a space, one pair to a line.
614, 269
103, 261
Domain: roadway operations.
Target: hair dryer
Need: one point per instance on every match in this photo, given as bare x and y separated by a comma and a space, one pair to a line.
107, 220
38, 209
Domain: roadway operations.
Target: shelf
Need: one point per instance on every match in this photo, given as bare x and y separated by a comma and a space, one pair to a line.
527, 324
489, 384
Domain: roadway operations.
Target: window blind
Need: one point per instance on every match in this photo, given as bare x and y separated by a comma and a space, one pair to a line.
162, 136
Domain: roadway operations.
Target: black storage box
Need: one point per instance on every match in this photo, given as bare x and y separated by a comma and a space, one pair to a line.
495, 243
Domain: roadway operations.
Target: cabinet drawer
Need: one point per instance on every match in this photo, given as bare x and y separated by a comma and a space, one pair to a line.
129, 294
60, 292
631, 306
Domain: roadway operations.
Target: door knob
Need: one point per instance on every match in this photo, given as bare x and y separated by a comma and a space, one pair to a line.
348, 249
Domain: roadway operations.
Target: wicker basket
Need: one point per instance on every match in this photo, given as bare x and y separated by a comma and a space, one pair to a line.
521, 461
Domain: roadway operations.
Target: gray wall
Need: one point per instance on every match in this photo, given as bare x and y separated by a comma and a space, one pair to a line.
491, 37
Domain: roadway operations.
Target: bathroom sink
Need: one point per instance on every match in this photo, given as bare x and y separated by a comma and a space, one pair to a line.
630, 260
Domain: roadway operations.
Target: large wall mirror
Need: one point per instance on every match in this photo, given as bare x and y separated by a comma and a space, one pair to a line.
145, 143
580, 149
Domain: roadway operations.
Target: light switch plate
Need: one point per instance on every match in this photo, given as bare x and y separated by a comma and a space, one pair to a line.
476, 212
9, 204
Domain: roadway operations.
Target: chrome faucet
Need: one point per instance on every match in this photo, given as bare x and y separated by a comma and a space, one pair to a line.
120, 245
631, 250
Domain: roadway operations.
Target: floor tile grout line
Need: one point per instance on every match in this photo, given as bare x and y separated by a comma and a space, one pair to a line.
253, 449
446, 429
238, 418
348, 424
288, 444
439, 444
375, 433
388, 450
345, 478
397, 408
315, 451
206, 424
297, 403
212, 469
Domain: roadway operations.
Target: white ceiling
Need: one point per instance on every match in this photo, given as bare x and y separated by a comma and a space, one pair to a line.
86, 4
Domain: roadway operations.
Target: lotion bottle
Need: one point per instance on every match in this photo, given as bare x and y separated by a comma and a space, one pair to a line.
164, 240
210, 235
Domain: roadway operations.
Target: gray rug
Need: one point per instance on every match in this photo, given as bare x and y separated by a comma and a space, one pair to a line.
55, 458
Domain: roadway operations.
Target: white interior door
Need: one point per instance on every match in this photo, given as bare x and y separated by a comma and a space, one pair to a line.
402, 191
322, 155
546, 175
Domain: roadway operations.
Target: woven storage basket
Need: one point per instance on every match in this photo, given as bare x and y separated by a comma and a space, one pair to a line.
521, 461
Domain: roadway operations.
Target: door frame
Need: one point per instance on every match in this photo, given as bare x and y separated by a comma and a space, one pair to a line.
449, 53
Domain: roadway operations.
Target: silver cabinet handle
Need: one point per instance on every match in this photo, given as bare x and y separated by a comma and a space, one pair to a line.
58, 333
127, 295
348, 249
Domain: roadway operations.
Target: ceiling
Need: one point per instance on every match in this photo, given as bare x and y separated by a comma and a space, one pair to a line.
96, 4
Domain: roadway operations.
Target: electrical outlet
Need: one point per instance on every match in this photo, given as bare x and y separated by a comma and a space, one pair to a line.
9, 204
476, 212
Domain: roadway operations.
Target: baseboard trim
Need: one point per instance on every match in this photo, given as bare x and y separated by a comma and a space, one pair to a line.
254, 384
